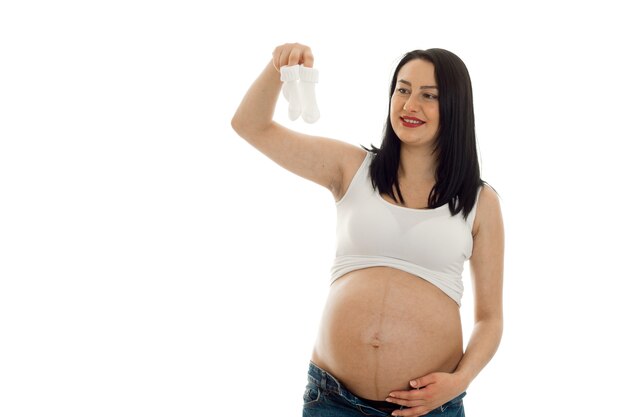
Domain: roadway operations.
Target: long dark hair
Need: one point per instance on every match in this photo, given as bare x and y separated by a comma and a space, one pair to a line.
458, 172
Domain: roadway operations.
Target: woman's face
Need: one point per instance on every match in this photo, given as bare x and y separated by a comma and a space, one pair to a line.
415, 99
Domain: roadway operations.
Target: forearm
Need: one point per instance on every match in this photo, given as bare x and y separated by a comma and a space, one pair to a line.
256, 110
481, 347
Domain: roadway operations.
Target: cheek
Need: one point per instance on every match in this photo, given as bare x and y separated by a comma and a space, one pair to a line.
433, 114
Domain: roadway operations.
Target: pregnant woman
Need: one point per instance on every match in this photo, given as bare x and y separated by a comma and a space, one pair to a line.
409, 214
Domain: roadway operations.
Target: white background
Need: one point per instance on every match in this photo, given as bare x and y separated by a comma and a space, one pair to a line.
153, 263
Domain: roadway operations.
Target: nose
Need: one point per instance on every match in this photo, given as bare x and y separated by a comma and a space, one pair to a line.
411, 104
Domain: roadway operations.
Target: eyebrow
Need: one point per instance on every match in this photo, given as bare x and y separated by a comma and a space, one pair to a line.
421, 88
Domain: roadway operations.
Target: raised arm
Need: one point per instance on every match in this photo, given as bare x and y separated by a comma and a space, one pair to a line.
315, 158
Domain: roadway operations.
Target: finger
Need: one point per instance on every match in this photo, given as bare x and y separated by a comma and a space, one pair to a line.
276, 58
280, 56
413, 394
406, 403
308, 58
294, 57
284, 57
423, 381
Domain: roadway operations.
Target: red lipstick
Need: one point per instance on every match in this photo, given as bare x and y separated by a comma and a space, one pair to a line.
409, 121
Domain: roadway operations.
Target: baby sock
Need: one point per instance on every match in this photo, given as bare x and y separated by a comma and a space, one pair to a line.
290, 75
308, 78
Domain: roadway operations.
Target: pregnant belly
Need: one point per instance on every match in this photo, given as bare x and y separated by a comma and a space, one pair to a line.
382, 327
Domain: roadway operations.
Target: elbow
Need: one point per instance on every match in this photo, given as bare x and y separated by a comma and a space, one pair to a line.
247, 130
495, 323
235, 123
240, 127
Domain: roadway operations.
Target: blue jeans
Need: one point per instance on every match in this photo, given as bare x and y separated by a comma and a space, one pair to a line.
324, 396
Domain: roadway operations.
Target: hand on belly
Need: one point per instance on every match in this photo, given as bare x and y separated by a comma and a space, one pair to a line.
382, 328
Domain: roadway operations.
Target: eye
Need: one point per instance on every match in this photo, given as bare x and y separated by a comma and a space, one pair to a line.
430, 96
402, 90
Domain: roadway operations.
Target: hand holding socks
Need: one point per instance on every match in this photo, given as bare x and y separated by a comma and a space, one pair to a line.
300, 95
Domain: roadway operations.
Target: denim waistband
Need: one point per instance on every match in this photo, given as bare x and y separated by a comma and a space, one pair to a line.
328, 382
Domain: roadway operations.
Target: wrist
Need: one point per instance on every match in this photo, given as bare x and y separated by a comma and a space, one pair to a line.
463, 380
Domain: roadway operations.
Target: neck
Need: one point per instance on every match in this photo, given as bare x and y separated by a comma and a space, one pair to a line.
417, 165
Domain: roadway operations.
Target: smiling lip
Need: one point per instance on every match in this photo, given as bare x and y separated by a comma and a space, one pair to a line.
408, 124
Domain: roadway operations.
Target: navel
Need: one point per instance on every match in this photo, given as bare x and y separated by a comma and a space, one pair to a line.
375, 341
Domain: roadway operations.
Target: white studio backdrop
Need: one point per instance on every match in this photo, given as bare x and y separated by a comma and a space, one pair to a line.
153, 263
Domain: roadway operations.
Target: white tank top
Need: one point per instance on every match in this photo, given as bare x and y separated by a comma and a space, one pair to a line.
429, 243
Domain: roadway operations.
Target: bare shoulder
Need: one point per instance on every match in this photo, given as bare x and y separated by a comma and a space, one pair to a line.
352, 159
488, 210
